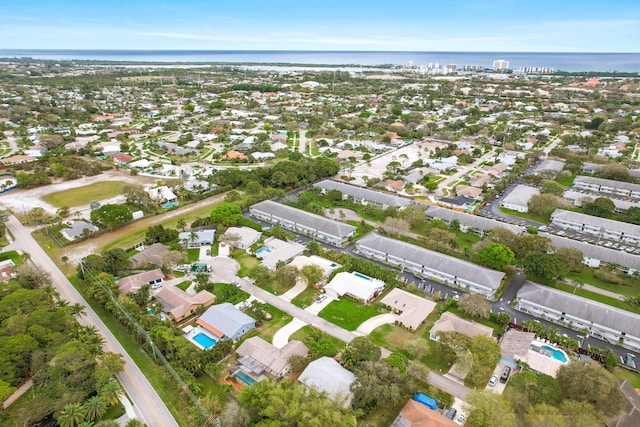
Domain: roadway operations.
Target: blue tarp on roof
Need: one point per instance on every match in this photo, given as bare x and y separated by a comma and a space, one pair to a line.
427, 401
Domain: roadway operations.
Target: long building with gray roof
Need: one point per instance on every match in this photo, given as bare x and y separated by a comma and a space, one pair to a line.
469, 222
595, 255
600, 320
321, 228
430, 264
596, 226
601, 185
364, 196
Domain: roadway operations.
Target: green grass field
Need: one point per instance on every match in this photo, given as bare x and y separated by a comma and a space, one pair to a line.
349, 314
84, 195
246, 261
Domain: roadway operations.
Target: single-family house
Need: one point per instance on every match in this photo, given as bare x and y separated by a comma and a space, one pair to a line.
415, 414
412, 309
6, 270
449, 322
325, 375
151, 254
163, 195
355, 285
259, 358
276, 250
78, 229
243, 237
197, 238
134, 282
178, 305
226, 321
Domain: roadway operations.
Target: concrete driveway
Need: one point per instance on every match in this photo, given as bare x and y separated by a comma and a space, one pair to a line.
281, 338
369, 325
317, 307
295, 291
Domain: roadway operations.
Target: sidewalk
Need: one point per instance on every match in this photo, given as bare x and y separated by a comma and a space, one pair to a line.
601, 291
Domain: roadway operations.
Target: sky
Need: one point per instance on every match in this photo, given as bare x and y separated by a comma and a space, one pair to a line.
377, 25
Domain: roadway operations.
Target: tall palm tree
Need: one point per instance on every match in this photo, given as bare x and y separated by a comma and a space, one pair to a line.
110, 392
95, 408
72, 415
193, 237
78, 309
91, 337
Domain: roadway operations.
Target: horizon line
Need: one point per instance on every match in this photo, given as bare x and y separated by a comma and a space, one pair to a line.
309, 50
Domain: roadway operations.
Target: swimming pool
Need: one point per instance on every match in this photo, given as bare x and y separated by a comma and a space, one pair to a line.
362, 276
204, 340
169, 205
245, 378
556, 354
263, 250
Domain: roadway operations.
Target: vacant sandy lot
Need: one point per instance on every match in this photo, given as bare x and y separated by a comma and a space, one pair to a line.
20, 201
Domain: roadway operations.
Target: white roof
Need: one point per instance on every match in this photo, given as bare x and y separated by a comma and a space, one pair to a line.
594, 221
414, 309
520, 195
247, 234
327, 375
355, 284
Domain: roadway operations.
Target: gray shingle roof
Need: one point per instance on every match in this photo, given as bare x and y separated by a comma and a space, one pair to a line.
554, 165
596, 252
226, 318
364, 193
520, 195
434, 260
607, 224
581, 308
469, 220
608, 182
307, 219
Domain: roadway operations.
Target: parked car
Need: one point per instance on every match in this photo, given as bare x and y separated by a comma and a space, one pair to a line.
461, 419
451, 413
235, 283
493, 380
321, 298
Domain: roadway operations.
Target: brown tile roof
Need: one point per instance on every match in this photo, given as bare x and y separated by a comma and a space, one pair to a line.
420, 416
179, 303
136, 281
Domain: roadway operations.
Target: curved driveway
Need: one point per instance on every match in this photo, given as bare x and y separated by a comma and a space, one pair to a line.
148, 405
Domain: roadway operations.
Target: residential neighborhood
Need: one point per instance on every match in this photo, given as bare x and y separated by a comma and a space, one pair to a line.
398, 246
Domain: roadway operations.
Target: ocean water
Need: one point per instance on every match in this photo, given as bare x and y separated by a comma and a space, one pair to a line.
598, 62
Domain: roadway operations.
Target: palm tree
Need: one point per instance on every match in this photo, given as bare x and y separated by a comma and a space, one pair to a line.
77, 310
110, 392
95, 407
134, 422
193, 237
91, 337
72, 415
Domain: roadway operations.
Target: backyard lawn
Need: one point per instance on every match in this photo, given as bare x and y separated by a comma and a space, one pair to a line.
305, 331
349, 314
184, 285
84, 195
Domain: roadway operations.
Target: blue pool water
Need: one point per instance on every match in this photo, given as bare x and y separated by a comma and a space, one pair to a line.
557, 354
170, 205
204, 340
333, 264
264, 250
245, 378
362, 276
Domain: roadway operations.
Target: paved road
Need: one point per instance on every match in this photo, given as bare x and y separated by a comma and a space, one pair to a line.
302, 148
149, 407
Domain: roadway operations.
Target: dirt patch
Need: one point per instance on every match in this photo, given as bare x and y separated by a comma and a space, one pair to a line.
19, 201
94, 245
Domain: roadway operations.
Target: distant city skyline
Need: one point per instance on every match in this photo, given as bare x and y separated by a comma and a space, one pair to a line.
401, 25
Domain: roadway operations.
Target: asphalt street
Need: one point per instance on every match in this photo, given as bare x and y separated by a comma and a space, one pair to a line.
148, 405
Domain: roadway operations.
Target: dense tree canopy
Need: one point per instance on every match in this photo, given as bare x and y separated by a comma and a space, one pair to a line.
111, 216
292, 404
496, 255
